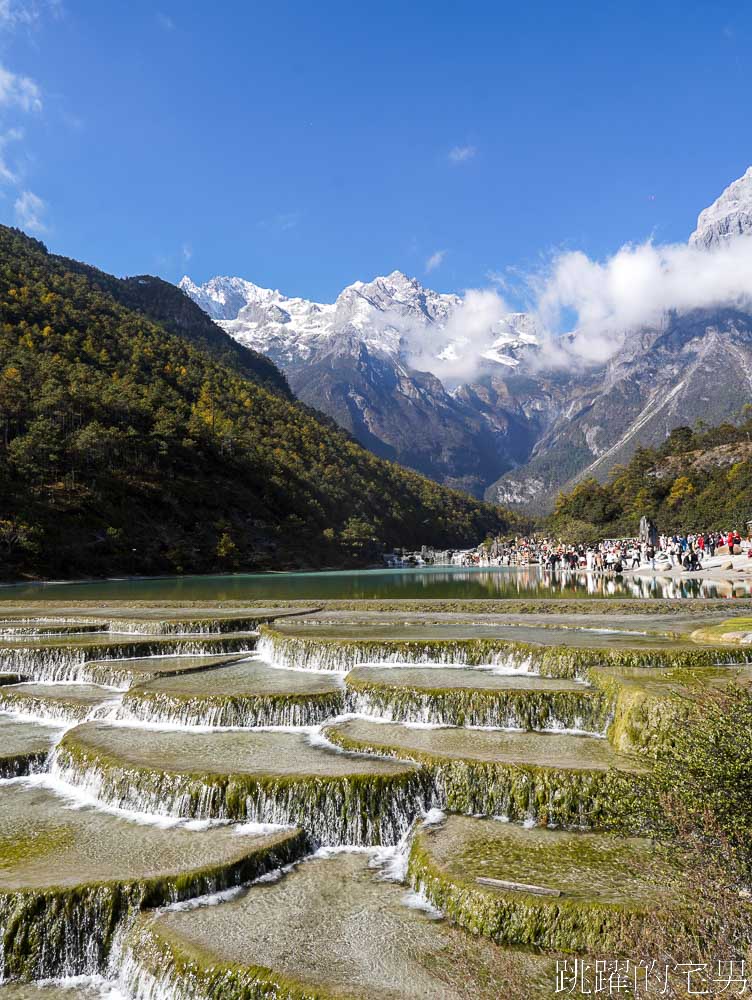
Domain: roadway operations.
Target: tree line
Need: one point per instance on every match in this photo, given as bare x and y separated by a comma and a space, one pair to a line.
134, 444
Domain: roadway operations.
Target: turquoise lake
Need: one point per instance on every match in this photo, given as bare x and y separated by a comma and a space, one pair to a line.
425, 582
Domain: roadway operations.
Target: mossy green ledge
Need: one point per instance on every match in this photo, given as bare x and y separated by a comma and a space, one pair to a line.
305, 652
290, 709
78, 661
65, 703
113, 663
184, 622
71, 880
651, 704
734, 631
545, 778
601, 885
330, 928
25, 747
40, 628
648, 704
245, 775
457, 697
186, 626
247, 693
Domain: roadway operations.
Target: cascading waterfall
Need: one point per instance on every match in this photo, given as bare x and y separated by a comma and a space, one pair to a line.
185, 627
37, 707
298, 653
20, 630
80, 664
544, 796
22, 764
231, 711
584, 711
574, 662
360, 809
46, 935
156, 981
71, 931
147, 972
16, 627
100, 929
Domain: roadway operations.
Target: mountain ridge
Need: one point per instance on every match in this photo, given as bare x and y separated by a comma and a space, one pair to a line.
349, 359
127, 448
513, 431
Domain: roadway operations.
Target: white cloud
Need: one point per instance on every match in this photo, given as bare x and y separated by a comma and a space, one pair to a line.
12, 13
21, 94
166, 21
581, 310
454, 352
601, 304
186, 251
25, 12
461, 154
435, 260
7, 174
19, 91
30, 209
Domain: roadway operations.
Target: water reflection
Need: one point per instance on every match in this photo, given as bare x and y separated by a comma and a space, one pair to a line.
425, 582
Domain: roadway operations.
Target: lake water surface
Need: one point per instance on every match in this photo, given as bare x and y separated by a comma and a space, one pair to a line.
425, 582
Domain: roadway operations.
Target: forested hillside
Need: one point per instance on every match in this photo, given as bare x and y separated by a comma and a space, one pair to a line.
698, 479
167, 305
126, 448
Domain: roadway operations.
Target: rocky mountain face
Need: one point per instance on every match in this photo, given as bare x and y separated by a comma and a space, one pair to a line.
513, 431
695, 367
351, 359
728, 217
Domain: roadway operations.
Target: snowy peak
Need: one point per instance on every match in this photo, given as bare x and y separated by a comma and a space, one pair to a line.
393, 315
729, 217
385, 311
404, 295
515, 331
223, 298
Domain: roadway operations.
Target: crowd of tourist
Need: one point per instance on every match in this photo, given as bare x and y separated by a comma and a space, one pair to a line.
613, 555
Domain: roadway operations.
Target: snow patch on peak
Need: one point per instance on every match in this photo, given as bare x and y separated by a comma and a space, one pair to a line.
729, 217
392, 316
224, 297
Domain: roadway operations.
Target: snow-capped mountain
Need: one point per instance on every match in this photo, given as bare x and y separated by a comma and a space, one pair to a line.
359, 360
728, 217
664, 376
599, 418
393, 316
287, 330
377, 359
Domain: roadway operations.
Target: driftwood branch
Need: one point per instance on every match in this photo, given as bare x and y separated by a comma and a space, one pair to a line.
537, 890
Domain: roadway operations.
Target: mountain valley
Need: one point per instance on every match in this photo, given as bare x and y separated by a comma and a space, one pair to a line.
516, 430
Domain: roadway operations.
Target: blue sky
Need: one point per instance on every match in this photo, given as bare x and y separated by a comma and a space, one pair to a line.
307, 145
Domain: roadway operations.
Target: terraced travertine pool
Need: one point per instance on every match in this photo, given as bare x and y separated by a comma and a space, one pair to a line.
200, 804
25, 744
575, 634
